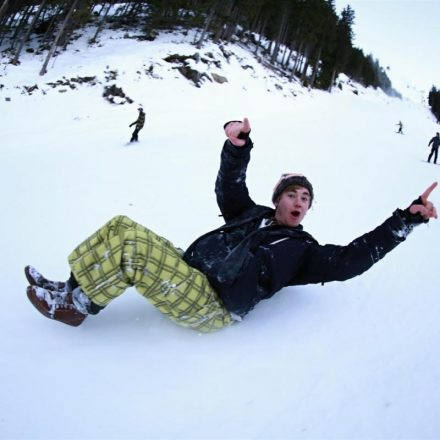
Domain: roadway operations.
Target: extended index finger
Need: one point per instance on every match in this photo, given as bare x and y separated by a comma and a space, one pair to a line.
428, 192
246, 125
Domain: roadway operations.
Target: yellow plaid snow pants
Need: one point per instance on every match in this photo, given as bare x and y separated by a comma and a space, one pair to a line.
124, 253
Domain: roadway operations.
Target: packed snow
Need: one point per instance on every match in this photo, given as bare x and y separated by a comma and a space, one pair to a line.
354, 360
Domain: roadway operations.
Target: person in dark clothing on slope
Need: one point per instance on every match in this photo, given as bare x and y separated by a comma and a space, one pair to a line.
435, 142
225, 272
140, 121
400, 130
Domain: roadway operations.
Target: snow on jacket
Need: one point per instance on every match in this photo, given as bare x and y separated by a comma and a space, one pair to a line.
246, 263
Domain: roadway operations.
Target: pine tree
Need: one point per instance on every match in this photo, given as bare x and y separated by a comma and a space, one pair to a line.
434, 102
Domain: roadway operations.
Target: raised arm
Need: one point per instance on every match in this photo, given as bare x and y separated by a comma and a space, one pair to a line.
331, 263
230, 187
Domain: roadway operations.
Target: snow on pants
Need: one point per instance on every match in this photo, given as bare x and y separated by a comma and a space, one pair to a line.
124, 253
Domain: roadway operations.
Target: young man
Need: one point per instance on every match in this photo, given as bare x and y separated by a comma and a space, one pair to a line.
435, 141
226, 272
140, 121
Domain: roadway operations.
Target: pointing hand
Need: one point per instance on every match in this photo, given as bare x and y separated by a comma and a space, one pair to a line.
425, 208
238, 132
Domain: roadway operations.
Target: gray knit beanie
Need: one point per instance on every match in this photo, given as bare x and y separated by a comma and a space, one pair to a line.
290, 179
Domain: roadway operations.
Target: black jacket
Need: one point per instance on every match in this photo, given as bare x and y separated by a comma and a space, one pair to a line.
140, 121
435, 141
246, 263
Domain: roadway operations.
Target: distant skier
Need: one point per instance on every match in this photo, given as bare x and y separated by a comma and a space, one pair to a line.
435, 141
225, 272
140, 121
400, 130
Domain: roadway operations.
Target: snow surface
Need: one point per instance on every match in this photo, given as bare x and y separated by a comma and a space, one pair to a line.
358, 359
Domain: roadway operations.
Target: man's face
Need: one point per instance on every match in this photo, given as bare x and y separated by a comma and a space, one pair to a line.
292, 206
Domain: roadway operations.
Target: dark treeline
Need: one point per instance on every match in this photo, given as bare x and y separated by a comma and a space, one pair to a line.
434, 102
305, 38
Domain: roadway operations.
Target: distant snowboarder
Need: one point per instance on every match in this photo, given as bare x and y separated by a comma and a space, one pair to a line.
435, 141
140, 121
400, 130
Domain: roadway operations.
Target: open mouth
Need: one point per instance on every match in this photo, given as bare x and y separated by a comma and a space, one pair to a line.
295, 214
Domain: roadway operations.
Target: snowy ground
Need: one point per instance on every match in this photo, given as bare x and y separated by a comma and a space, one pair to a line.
351, 360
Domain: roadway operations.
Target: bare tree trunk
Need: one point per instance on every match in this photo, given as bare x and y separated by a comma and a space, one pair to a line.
281, 33
260, 33
21, 25
124, 10
74, 24
18, 27
283, 41
286, 60
207, 23
92, 6
224, 19
8, 22
57, 38
101, 22
299, 57
315, 67
134, 11
332, 81
52, 23
283, 58
3, 9
232, 25
26, 36
306, 65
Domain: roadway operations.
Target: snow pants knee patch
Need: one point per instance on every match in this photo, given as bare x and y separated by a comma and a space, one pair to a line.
124, 253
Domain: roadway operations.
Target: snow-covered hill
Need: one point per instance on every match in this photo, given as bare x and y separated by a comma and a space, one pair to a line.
346, 360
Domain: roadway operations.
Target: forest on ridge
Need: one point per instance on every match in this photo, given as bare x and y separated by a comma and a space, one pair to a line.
304, 39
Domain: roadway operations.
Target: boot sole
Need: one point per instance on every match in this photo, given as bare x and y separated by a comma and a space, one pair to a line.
39, 304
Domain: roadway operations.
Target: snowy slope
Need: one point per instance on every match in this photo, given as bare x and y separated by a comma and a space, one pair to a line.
346, 360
